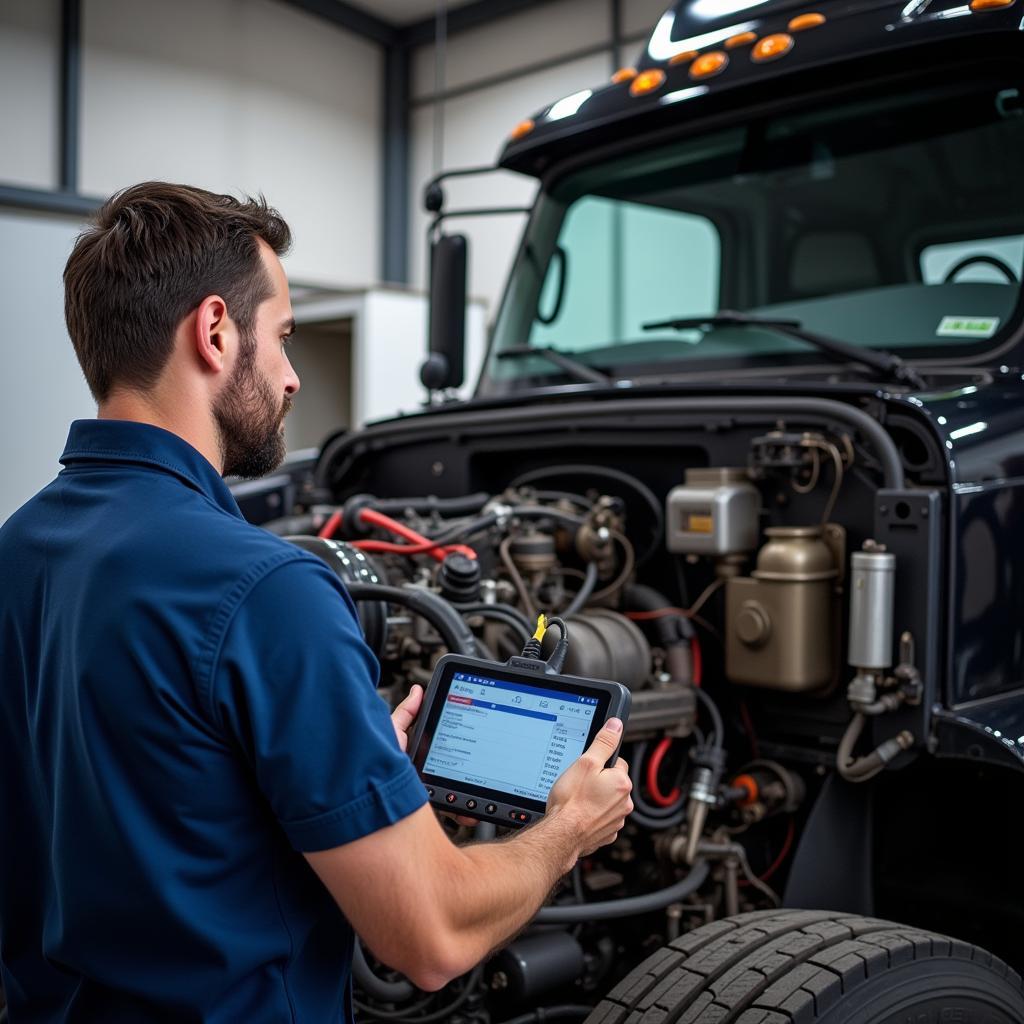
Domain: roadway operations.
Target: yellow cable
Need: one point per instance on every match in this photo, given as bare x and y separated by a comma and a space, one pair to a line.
542, 627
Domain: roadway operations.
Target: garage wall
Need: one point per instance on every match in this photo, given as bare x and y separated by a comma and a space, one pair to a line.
44, 389
232, 95
495, 76
29, 83
247, 95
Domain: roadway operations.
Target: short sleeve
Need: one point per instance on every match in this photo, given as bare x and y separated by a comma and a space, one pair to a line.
295, 689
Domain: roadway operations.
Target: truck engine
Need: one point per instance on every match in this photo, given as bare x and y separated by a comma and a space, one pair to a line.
756, 577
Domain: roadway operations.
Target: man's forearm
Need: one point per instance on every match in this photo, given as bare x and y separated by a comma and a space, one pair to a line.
506, 882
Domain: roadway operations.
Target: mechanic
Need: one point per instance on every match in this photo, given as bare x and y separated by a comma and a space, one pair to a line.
203, 794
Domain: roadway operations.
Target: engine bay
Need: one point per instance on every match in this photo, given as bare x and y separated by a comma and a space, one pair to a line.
755, 578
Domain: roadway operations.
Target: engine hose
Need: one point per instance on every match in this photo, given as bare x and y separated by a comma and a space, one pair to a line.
543, 1013
375, 987
505, 614
543, 512
462, 530
457, 636
656, 824
425, 505
645, 812
629, 906
670, 629
861, 769
413, 1014
653, 767
718, 730
582, 595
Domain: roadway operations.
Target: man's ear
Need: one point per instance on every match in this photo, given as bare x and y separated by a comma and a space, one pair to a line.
212, 326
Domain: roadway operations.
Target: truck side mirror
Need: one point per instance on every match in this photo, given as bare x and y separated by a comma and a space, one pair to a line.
445, 365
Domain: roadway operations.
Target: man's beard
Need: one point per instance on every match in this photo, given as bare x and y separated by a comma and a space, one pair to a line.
249, 418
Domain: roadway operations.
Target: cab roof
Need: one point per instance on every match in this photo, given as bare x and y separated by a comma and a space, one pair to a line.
703, 50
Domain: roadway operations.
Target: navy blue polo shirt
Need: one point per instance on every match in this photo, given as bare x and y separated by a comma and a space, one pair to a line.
187, 703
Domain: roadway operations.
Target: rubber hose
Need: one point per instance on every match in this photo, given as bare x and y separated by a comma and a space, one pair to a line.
543, 512
505, 614
629, 906
671, 629
377, 988
457, 636
460, 530
856, 769
582, 595
647, 811
424, 505
657, 824
716, 718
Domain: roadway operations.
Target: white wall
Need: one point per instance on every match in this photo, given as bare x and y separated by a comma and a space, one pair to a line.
477, 123
29, 80
241, 95
44, 388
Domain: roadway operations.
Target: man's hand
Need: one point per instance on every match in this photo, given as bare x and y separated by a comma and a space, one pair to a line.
402, 718
593, 799
405, 714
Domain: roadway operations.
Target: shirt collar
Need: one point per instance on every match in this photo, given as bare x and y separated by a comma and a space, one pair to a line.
142, 443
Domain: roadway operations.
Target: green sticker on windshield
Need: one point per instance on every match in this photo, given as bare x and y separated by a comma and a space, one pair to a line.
967, 326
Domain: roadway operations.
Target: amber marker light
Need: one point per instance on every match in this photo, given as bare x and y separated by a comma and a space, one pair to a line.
623, 75
647, 82
990, 5
805, 21
709, 64
684, 58
772, 47
521, 129
743, 39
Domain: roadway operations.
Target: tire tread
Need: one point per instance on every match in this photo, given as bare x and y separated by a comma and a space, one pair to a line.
775, 967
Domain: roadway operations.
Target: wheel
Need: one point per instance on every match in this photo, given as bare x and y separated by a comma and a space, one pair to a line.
801, 966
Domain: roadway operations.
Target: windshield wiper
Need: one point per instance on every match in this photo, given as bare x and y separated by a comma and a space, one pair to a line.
576, 370
885, 363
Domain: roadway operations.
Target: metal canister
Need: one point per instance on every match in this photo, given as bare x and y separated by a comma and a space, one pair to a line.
872, 588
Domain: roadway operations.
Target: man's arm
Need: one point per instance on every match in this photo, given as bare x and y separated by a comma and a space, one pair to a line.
433, 910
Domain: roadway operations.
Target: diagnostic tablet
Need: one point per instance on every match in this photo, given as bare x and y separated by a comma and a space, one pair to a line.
491, 739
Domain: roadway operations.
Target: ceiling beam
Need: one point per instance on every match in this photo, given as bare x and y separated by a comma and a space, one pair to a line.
352, 19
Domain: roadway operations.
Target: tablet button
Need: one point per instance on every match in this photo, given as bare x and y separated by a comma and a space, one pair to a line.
450, 797
491, 808
523, 817
471, 804
430, 791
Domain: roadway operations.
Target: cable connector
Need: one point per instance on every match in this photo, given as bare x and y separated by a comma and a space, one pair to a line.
532, 648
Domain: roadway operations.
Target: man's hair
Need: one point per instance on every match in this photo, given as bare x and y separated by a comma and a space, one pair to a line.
154, 252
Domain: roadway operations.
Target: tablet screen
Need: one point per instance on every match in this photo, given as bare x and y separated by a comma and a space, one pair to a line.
507, 736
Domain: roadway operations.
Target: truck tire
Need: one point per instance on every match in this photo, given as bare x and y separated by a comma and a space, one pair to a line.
803, 966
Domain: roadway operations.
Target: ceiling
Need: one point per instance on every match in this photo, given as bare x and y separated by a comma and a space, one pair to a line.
404, 12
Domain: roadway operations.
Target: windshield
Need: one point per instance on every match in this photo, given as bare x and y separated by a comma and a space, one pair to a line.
894, 222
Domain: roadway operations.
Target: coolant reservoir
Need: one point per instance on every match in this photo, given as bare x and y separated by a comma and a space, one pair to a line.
780, 621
